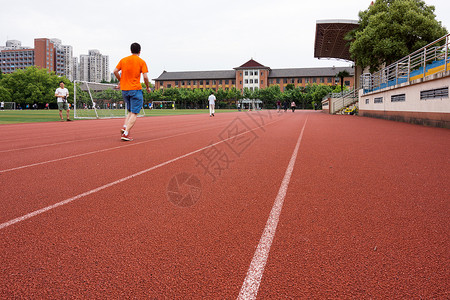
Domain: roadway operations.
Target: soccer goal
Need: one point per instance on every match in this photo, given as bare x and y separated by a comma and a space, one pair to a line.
163, 105
94, 100
9, 105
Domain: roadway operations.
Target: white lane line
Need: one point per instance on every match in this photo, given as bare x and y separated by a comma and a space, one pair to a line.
99, 151
250, 287
42, 210
71, 141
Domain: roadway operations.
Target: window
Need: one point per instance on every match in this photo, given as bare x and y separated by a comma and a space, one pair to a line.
251, 80
234, 82
322, 80
201, 82
226, 81
367, 101
285, 80
434, 94
398, 98
169, 85
176, 83
278, 80
256, 80
347, 83
188, 82
378, 100
314, 79
329, 80
246, 81
207, 82
292, 80
246, 73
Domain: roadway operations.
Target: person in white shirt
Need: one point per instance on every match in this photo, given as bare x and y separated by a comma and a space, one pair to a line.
212, 103
62, 94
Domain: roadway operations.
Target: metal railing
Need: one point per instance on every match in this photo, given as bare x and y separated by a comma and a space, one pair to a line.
347, 99
429, 60
341, 100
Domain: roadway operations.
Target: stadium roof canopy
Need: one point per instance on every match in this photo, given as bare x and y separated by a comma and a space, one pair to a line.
330, 41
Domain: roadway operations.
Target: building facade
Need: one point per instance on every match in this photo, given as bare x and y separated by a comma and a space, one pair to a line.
94, 67
47, 53
253, 75
51, 54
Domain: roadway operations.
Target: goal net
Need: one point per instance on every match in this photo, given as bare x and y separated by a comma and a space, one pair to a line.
8, 105
94, 100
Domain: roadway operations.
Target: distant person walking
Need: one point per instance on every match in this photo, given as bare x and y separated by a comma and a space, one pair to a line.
285, 105
130, 83
293, 106
212, 104
62, 94
278, 105
2, 105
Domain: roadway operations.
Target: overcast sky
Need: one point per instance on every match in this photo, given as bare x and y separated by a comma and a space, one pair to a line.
187, 35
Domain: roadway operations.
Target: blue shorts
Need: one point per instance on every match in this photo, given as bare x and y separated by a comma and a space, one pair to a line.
134, 100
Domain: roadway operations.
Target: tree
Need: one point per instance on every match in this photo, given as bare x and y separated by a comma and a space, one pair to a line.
391, 29
342, 75
5, 95
33, 85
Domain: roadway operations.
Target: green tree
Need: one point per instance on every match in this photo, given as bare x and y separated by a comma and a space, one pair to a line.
391, 29
270, 95
5, 95
34, 85
342, 75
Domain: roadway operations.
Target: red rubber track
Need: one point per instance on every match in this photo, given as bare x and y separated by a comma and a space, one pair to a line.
365, 214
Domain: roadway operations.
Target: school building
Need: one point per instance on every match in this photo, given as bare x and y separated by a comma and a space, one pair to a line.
253, 75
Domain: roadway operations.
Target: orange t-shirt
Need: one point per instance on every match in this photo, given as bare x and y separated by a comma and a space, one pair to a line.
132, 66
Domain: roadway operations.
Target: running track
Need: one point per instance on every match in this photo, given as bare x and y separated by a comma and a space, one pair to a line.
292, 205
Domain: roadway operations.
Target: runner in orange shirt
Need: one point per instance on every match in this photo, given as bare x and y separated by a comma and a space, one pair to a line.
130, 83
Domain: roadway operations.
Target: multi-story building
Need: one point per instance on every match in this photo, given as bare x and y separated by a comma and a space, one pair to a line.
94, 67
253, 75
52, 55
14, 56
47, 53
68, 59
75, 68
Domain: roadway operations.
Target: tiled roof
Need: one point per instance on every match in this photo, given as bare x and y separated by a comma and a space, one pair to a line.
251, 64
309, 72
197, 75
274, 73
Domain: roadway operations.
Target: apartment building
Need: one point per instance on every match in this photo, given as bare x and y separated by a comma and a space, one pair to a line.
13, 56
47, 53
51, 54
253, 75
94, 67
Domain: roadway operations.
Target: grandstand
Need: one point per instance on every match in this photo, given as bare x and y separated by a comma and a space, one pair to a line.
413, 89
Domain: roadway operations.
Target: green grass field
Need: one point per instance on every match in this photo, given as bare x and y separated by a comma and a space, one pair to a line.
52, 115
